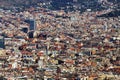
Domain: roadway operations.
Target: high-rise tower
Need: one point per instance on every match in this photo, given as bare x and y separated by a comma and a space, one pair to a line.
2, 42
32, 24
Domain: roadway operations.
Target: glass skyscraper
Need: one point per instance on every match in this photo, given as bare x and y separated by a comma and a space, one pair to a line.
2, 42
31, 22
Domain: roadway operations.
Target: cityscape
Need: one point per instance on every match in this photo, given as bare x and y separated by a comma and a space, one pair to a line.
59, 40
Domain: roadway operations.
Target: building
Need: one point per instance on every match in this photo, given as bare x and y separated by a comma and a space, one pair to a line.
2, 42
31, 34
31, 23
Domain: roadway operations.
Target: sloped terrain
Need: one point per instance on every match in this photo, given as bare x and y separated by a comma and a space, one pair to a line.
61, 4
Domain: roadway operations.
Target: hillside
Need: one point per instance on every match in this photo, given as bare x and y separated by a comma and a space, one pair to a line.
62, 4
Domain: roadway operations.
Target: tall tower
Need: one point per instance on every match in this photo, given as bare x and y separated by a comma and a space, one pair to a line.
2, 42
32, 24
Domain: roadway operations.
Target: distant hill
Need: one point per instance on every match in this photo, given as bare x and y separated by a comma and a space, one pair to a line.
60, 4
11, 3
114, 1
115, 13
